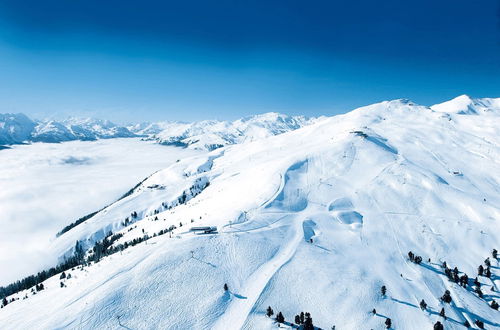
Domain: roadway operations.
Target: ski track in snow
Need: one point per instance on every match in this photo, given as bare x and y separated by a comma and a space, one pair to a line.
239, 309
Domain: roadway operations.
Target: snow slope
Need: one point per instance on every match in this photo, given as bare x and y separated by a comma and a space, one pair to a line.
366, 187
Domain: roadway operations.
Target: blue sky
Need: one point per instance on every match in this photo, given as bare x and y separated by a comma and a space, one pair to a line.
192, 60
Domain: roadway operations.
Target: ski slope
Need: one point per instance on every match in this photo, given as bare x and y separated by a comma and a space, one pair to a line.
315, 220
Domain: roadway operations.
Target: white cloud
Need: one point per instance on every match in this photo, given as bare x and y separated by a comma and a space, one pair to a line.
47, 186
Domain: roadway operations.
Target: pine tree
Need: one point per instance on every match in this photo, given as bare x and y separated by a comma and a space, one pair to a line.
448, 273
79, 252
374, 311
446, 297
494, 253
269, 312
442, 313
280, 318
226, 287
438, 326
302, 318
63, 275
411, 256
480, 270
308, 323
488, 272
4, 301
383, 290
479, 324
423, 305
479, 292
487, 262
494, 305
466, 324
297, 319
388, 323
464, 279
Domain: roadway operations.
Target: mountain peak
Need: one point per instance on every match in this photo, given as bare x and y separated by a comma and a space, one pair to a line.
466, 105
18, 128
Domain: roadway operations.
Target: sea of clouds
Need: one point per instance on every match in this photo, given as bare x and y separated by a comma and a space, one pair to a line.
44, 187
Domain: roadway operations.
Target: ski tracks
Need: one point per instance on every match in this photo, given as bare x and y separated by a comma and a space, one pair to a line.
238, 310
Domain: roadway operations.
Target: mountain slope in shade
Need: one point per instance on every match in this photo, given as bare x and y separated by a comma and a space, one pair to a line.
53, 132
15, 128
314, 220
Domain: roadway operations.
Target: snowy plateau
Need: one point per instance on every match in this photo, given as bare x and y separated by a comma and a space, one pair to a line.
310, 217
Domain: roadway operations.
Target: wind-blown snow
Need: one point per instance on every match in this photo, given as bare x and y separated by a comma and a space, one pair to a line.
366, 187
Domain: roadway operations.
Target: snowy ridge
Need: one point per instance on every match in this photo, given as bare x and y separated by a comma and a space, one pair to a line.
15, 128
316, 219
464, 104
203, 135
213, 134
18, 128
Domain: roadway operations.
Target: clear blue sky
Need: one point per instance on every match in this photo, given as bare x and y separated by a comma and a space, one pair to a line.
191, 60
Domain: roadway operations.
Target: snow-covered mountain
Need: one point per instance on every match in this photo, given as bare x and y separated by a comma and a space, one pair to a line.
15, 128
90, 128
213, 134
203, 135
149, 129
317, 220
464, 104
18, 128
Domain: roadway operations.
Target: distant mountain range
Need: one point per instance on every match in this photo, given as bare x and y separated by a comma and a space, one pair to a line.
204, 135
18, 128
212, 134
208, 134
